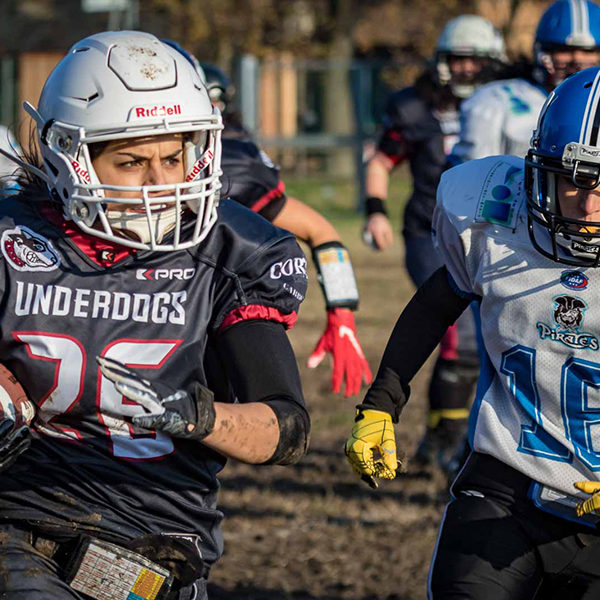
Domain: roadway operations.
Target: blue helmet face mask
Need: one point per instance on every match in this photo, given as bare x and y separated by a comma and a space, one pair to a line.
567, 25
565, 144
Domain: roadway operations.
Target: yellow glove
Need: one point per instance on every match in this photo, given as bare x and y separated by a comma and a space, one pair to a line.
373, 431
592, 504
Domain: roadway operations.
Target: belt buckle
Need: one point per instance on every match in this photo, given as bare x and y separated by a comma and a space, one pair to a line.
560, 504
105, 571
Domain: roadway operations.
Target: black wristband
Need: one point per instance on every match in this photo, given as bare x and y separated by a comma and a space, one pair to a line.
373, 205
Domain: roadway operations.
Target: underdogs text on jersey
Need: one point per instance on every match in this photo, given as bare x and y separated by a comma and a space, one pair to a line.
60, 301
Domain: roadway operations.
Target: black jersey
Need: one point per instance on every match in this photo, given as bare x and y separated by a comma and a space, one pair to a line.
250, 177
417, 132
88, 468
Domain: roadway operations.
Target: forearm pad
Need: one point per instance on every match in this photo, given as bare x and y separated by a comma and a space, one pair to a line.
294, 431
335, 275
434, 307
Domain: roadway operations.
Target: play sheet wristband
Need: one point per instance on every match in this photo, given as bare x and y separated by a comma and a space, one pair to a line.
336, 275
105, 571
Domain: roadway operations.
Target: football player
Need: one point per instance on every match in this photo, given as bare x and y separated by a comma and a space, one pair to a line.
500, 116
523, 239
119, 267
251, 178
421, 125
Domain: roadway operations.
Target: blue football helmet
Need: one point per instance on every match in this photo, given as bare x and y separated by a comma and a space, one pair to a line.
566, 143
566, 24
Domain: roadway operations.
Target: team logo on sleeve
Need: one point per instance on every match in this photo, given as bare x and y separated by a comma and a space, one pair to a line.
26, 250
499, 196
568, 316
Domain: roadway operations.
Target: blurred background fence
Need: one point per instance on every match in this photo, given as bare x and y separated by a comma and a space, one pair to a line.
312, 76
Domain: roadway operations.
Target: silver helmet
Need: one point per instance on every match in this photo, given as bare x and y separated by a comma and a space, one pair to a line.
467, 35
125, 85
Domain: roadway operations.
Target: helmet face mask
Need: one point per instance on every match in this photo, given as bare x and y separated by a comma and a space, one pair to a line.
562, 164
120, 86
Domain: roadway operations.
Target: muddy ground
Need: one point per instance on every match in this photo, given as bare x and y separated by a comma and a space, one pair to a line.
314, 531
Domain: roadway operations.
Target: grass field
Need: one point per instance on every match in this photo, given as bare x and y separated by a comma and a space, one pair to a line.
314, 531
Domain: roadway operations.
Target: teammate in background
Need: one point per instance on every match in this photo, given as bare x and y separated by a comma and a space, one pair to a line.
251, 178
499, 118
113, 285
421, 126
523, 238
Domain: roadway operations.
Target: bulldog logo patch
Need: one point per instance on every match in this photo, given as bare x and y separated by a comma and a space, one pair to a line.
26, 250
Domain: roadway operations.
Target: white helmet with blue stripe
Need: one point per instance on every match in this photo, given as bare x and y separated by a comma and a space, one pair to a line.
566, 25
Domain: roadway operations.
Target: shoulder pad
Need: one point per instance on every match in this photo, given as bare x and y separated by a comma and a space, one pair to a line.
402, 107
505, 95
239, 236
238, 149
488, 190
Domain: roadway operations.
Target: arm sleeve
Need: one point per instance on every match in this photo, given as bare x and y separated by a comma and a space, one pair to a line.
434, 307
393, 145
270, 375
393, 142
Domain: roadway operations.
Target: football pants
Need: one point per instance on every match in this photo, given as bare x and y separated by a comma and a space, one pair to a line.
13, 442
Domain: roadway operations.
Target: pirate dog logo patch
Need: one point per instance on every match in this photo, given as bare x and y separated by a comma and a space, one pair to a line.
26, 250
568, 316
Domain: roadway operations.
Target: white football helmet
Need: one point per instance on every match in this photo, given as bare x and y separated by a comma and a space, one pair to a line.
468, 35
125, 85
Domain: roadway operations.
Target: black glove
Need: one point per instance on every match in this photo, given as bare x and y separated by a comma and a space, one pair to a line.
13, 441
171, 411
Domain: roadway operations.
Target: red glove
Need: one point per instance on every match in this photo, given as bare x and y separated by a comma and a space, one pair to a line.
349, 362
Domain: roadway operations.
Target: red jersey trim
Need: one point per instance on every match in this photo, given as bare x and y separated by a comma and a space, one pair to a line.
271, 195
252, 312
398, 139
103, 252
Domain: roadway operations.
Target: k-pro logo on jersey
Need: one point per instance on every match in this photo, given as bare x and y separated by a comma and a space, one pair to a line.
26, 250
568, 313
574, 280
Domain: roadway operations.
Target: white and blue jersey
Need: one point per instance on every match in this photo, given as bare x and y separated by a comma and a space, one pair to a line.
538, 399
499, 118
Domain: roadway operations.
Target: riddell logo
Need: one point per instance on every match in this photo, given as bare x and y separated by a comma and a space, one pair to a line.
81, 171
201, 163
143, 112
